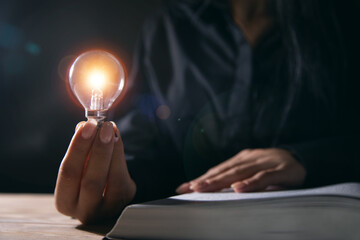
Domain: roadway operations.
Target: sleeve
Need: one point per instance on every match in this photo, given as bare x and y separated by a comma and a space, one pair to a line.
151, 155
336, 158
328, 160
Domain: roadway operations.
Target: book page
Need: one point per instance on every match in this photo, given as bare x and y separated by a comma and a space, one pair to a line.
343, 189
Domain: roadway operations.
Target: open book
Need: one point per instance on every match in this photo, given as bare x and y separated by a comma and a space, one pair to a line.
331, 212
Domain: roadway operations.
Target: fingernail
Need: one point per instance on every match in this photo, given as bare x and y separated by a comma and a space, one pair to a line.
80, 124
117, 133
89, 129
106, 132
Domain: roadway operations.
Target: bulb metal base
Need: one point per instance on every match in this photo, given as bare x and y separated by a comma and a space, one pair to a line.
98, 115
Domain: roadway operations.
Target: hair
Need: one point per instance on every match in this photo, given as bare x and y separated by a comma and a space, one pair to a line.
312, 36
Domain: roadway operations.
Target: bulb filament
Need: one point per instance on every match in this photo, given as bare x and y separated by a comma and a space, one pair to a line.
97, 100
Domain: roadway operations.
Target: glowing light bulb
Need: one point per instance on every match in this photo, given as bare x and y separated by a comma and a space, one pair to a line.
97, 79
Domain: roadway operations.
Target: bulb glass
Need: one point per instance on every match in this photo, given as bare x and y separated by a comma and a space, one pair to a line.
96, 78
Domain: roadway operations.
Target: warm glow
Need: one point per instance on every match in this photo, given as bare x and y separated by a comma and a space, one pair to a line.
97, 79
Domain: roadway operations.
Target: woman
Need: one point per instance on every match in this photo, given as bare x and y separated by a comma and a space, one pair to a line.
252, 95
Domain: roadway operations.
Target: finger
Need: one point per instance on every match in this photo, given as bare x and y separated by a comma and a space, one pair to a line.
240, 158
119, 188
242, 171
259, 181
184, 188
80, 124
225, 179
69, 177
96, 173
248, 168
116, 131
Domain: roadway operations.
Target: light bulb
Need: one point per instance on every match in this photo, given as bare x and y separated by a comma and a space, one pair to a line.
96, 78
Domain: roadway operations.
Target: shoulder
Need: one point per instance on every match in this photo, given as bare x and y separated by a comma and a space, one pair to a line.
176, 12
173, 20
184, 8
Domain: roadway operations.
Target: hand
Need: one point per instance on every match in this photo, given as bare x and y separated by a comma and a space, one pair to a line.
93, 181
250, 170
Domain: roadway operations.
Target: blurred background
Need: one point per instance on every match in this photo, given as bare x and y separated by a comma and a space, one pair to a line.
39, 39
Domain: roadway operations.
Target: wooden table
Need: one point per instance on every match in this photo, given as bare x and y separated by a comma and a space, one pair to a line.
33, 216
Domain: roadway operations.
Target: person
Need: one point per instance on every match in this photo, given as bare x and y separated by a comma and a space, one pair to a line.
252, 95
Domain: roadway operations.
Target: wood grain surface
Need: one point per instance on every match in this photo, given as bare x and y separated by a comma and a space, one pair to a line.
33, 216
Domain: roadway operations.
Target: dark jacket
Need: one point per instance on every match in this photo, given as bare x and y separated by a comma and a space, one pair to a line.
199, 93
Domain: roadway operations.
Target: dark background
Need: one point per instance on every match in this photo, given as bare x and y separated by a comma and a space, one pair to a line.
38, 41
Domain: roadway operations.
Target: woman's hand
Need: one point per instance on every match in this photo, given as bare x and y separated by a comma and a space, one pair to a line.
93, 181
250, 170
